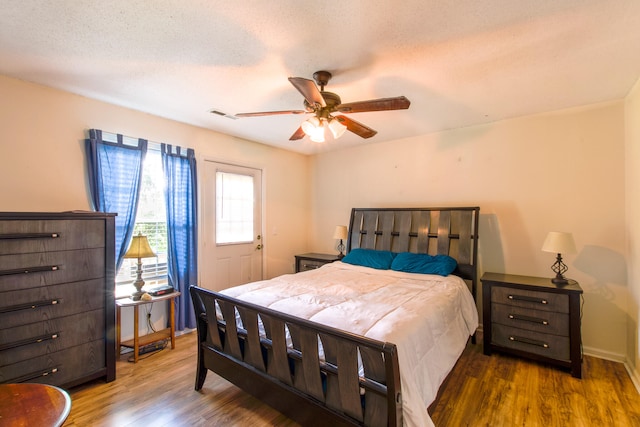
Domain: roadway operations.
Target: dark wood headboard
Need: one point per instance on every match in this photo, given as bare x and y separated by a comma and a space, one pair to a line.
448, 231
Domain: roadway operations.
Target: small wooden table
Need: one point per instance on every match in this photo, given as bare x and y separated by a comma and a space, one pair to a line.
137, 340
28, 404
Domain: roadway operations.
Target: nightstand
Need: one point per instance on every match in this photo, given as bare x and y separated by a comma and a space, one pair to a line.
532, 317
140, 341
312, 261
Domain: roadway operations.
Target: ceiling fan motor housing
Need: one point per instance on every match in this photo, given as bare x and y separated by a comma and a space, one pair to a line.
331, 99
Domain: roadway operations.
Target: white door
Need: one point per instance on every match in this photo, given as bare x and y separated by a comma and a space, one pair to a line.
232, 226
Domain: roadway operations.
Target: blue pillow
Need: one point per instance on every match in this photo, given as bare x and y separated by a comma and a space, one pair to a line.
424, 263
370, 258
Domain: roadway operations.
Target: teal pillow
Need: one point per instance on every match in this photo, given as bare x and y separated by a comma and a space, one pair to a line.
424, 263
370, 258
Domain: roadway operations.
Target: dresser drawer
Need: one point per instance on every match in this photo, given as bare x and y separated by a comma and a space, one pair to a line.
546, 301
533, 320
58, 368
37, 339
50, 268
19, 237
49, 302
551, 346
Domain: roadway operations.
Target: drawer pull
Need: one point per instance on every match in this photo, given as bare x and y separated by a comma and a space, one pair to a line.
528, 299
33, 340
35, 375
24, 236
29, 306
28, 270
529, 341
310, 266
528, 319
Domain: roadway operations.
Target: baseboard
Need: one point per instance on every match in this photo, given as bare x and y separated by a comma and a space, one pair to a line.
602, 354
634, 375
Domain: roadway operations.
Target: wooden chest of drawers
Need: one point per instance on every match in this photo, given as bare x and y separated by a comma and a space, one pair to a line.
57, 307
532, 317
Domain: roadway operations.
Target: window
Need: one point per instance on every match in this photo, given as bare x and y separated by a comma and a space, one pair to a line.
151, 221
234, 208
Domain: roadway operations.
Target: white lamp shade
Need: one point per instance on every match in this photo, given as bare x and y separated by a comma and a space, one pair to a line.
336, 128
340, 232
314, 128
309, 126
560, 243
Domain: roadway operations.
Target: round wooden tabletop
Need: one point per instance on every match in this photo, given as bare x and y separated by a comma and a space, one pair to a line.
28, 404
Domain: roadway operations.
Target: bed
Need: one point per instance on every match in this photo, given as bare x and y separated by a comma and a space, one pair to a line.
353, 342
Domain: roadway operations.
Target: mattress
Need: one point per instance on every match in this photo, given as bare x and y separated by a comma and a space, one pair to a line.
428, 317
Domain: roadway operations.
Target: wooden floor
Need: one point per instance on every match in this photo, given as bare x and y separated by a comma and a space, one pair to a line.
482, 391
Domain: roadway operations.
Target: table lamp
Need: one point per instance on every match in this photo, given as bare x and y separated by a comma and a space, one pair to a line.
139, 248
559, 243
341, 234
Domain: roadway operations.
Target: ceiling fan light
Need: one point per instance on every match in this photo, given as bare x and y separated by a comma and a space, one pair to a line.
310, 126
336, 128
318, 133
318, 137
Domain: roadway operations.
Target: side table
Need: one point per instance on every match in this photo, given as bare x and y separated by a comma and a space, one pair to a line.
533, 317
139, 341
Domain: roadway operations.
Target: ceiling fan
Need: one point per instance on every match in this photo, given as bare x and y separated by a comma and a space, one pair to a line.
323, 104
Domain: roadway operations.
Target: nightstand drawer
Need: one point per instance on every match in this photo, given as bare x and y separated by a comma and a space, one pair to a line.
546, 301
311, 261
529, 319
551, 346
309, 264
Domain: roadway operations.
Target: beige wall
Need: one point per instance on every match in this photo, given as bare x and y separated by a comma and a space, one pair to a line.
560, 171
632, 157
42, 163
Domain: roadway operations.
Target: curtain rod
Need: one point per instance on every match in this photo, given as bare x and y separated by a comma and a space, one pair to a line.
151, 145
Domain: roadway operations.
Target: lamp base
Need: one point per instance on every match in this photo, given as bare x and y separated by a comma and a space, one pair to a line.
340, 249
560, 280
139, 283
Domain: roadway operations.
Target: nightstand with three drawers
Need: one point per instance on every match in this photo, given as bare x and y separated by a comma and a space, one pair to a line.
532, 317
312, 261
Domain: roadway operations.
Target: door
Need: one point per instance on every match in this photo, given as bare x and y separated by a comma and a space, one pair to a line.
232, 225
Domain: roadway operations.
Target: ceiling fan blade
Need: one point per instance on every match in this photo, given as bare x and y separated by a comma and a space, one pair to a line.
382, 104
356, 127
270, 113
309, 90
298, 134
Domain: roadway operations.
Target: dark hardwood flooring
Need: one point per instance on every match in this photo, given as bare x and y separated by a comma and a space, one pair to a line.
482, 391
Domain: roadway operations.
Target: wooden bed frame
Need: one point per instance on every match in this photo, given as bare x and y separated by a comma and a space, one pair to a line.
296, 381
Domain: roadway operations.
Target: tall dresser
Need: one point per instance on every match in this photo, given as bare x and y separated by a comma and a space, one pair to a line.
57, 306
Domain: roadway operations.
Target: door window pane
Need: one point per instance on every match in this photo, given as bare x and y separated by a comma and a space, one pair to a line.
234, 208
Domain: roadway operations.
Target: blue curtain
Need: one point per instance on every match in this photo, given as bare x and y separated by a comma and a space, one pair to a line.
182, 244
115, 173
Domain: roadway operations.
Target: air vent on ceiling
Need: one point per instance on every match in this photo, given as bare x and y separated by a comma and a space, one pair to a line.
220, 113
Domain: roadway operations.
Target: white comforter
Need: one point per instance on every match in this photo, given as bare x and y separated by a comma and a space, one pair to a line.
428, 317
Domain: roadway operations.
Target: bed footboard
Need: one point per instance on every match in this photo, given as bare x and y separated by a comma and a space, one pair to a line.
314, 374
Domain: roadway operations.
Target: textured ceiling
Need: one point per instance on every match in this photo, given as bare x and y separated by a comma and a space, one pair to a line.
460, 62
